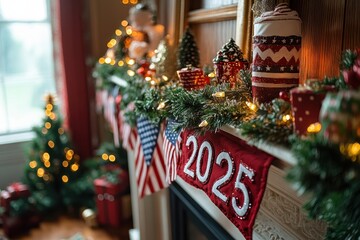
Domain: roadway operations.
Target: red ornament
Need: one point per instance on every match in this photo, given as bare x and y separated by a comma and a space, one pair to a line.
284, 96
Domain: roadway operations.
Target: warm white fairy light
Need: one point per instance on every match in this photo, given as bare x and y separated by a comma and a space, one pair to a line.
252, 106
161, 106
203, 123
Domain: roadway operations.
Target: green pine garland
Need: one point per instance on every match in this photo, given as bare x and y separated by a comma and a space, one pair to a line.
334, 183
272, 123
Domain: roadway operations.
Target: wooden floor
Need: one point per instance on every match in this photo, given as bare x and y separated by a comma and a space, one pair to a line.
70, 228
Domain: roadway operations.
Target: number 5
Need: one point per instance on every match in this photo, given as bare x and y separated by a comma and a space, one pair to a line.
242, 210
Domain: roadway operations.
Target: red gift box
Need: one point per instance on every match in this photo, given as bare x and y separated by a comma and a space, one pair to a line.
191, 78
14, 225
14, 191
306, 105
109, 199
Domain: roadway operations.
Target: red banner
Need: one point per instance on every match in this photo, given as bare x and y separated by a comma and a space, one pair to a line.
232, 173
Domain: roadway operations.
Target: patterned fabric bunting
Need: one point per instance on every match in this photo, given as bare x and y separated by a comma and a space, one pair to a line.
172, 141
148, 133
150, 177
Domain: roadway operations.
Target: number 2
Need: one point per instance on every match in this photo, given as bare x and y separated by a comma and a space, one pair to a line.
215, 188
190, 140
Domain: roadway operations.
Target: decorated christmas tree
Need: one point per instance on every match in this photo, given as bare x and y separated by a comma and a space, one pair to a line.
52, 163
188, 52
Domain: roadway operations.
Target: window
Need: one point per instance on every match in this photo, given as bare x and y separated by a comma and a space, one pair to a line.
26, 63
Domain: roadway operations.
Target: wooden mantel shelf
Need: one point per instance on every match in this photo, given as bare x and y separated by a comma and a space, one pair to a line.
284, 156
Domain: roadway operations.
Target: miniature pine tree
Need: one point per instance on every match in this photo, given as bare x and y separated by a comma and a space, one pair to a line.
164, 60
51, 161
188, 52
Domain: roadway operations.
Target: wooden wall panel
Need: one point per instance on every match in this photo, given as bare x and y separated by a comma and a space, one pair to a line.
322, 29
352, 25
210, 37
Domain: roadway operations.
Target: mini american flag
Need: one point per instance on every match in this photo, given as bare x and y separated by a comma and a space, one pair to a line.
171, 146
151, 174
148, 133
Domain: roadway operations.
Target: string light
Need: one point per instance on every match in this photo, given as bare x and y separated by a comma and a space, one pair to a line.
128, 30
105, 157
203, 124
47, 125
211, 75
69, 154
252, 106
61, 131
125, 1
161, 106
131, 73
133, 1
130, 61
52, 116
65, 163
107, 60
64, 178
46, 156
218, 94
51, 144
147, 78
33, 164
111, 43
121, 63
112, 158
49, 107
101, 60
351, 150
112, 63
165, 78
74, 167
124, 23
118, 32
153, 82
40, 172
47, 164
44, 131
314, 128
47, 112
286, 118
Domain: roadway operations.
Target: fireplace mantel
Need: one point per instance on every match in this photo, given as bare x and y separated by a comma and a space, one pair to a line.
280, 215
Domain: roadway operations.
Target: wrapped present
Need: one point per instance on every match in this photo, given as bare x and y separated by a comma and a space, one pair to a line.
340, 117
5, 199
18, 190
228, 62
16, 225
276, 53
109, 199
191, 78
306, 105
14, 191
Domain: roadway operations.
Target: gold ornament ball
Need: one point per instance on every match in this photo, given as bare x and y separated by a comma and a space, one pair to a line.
89, 217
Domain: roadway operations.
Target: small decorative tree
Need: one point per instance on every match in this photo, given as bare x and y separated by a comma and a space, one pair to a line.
52, 162
188, 52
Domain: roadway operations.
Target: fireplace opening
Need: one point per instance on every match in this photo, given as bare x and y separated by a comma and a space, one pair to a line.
189, 221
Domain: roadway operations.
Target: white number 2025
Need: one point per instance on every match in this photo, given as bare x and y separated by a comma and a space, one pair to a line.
247, 172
